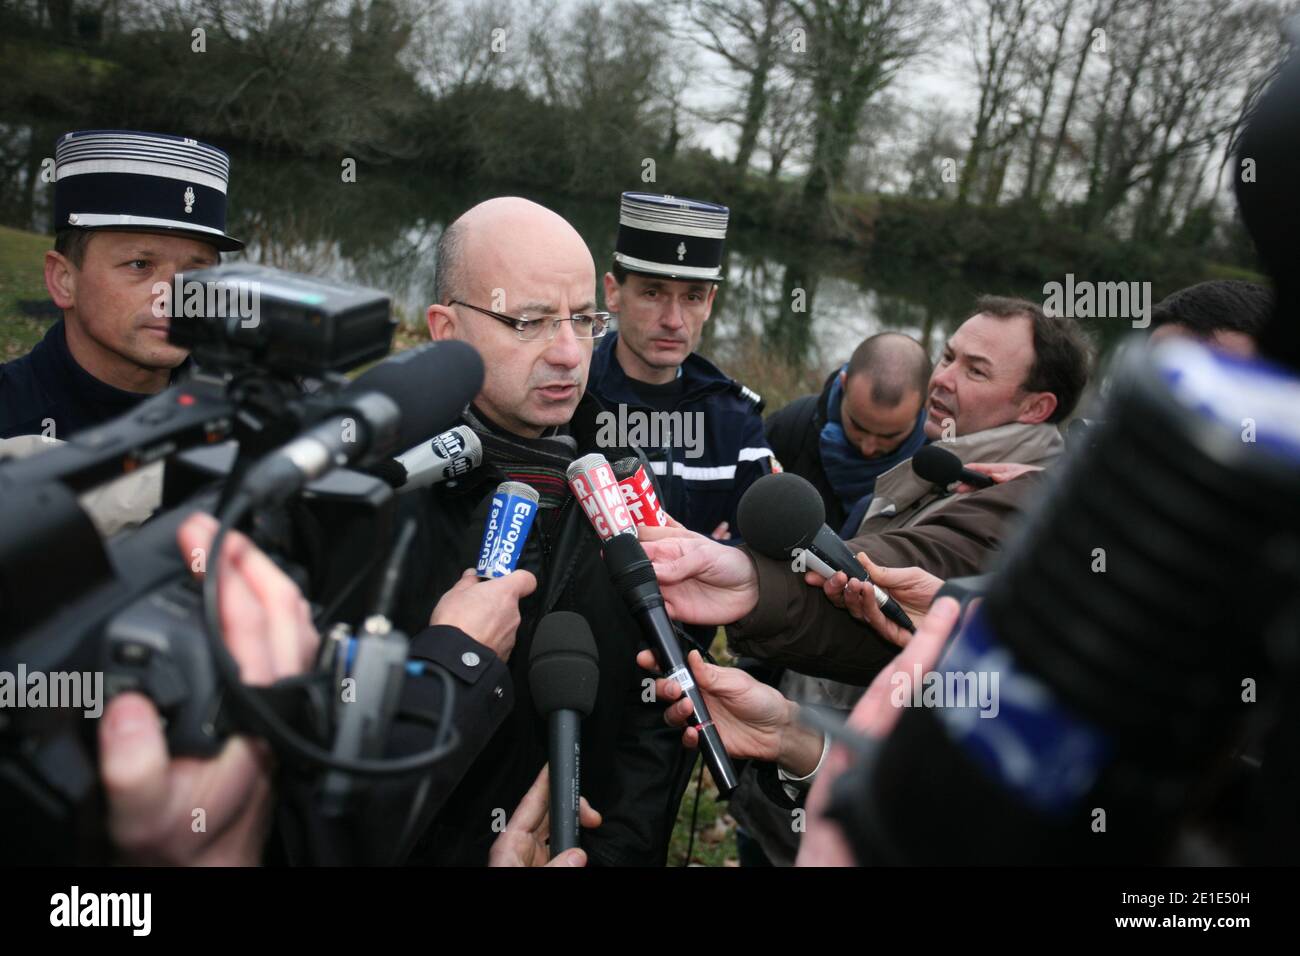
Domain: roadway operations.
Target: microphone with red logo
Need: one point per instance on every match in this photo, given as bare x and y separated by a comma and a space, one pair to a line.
639, 493
599, 495
593, 481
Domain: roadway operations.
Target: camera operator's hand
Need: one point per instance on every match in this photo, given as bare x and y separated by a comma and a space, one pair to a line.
488, 611
875, 715
524, 840
755, 721
216, 811
703, 581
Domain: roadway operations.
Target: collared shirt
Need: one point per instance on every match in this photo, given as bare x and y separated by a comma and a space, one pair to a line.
47, 392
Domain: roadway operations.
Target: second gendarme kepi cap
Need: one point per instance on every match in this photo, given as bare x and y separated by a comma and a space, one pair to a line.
670, 236
142, 182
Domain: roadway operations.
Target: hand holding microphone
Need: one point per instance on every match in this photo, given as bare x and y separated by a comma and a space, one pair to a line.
487, 611
484, 603
913, 588
756, 721
941, 467
524, 840
598, 492
782, 517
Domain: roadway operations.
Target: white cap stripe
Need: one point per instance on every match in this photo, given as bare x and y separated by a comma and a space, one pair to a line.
663, 268
675, 228
139, 168
159, 155
148, 148
91, 220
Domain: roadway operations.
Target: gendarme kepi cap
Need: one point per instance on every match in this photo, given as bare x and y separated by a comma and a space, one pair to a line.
142, 182
670, 236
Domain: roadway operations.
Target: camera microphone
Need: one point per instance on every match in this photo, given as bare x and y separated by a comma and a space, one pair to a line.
453, 454
390, 406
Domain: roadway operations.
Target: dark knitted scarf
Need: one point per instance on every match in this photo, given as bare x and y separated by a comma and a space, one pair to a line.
539, 462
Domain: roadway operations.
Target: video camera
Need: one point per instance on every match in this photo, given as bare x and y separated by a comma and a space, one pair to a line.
259, 434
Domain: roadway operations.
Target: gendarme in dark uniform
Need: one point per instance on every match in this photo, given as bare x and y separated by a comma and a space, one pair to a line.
677, 244
112, 181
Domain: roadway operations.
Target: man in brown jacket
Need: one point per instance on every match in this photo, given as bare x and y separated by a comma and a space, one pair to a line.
1006, 377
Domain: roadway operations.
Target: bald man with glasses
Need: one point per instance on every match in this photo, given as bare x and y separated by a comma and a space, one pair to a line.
517, 282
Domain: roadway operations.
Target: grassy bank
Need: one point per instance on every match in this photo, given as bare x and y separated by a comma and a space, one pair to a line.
25, 307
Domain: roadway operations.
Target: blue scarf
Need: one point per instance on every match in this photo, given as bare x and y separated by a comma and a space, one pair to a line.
851, 476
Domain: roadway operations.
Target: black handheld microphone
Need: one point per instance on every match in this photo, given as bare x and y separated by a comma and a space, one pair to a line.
391, 406
563, 674
939, 466
634, 576
783, 514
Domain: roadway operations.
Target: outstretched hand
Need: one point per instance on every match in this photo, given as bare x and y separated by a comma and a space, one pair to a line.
912, 588
703, 582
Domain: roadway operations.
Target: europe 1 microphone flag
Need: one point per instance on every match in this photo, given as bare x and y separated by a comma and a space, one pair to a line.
510, 517
593, 483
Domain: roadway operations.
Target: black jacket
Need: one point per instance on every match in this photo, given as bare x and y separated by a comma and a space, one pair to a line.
794, 433
47, 385
388, 817
634, 768
699, 492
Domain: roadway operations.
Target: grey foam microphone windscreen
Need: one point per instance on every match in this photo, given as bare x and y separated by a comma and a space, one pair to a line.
780, 513
563, 666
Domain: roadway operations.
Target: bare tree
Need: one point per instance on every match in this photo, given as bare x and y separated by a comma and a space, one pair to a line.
1098, 19
1170, 95
746, 35
785, 127
935, 139
997, 33
1059, 14
854, 49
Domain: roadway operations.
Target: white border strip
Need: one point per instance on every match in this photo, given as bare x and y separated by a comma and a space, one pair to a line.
695, 473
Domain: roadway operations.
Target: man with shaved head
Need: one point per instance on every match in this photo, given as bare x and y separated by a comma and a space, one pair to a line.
517, 282
868, 418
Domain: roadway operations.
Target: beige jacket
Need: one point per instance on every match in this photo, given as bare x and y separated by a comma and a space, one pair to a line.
121, 504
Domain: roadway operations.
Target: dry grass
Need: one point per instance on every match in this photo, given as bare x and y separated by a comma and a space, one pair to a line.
758, 366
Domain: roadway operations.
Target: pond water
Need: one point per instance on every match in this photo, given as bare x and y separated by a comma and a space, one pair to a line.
381, 231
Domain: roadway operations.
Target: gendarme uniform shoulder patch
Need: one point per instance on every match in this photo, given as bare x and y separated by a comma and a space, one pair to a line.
747, 393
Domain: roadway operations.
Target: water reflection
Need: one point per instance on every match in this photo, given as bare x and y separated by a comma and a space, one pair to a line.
802, 305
